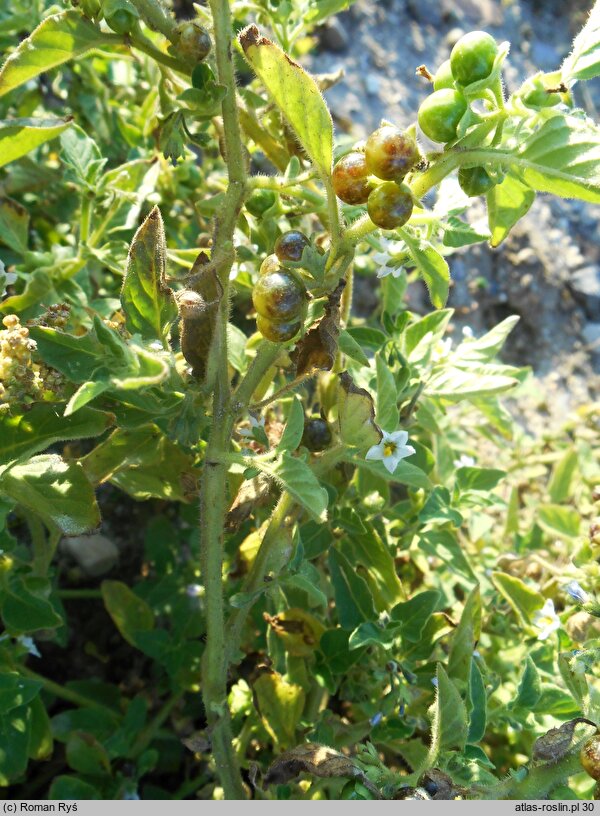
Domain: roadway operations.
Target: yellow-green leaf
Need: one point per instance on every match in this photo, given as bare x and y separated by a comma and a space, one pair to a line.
19, 136
280, 705
130, 613
57, 39
295, 93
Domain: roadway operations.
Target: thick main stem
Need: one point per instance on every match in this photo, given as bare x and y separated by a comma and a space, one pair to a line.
213, 504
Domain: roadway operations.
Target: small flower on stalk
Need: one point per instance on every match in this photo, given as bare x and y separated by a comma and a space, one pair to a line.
546, 620
254, 424
391, 449
376, 719
441, 350
381, 259
576, 592
464, 461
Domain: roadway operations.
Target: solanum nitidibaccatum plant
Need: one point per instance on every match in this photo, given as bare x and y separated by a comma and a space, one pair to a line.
352, 566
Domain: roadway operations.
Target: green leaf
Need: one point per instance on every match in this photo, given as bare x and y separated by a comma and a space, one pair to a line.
76, 357
19, 136
559, 488
463, 640
294, 428
443, 545
584, 60
507, 203
369, 549
15, 730
530, 687
356, 414
459, 233
559, 521
84, 394
405, 473
486, 347
449, 727
148, 303
474, 478
129, 612
71, 787
370, 633
280, 705
41, 743
432, 267
81, 153
25, 608
236, 348
56, 491
353, 600
388, 415
295, 93
563, 158
42, 426
295, 476
348, 346
524, 600
457, 383
14, 225
57, 39
477, 704
16, 690
414, 614
86, 755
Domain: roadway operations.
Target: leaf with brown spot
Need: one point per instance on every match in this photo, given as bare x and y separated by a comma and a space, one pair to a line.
356, 413
299, 631
555, 743
318, 347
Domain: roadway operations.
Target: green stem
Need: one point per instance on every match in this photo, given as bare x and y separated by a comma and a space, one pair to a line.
87, 202
279, 182
153, 13
143, 44
335, 226
79, 594
213, 492
266, 355
67, 694
148, 733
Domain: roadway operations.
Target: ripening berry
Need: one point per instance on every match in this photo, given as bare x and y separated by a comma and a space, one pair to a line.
317, 434
440, 114
472, 58
277, 332
475, 181
193, 41
443, 77
290, 245
390, 205
279, 296
351, 179
590, 757
390, 153
270, 264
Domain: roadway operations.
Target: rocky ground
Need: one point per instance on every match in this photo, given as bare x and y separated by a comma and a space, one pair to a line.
548, 271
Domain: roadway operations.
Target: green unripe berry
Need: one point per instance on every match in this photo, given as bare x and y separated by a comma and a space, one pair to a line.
193, 41
275, 331
474, 181
121, 21
472, 58
534, 94
317, 434
440, 114
443, 77
290, 245
590, 757
350, 179
390, 205
260, 201
279, 296
390, 153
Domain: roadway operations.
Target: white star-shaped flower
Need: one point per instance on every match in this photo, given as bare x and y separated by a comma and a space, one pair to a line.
382, 258
391, 449
464, 461
441, 350
254, 423
546, 620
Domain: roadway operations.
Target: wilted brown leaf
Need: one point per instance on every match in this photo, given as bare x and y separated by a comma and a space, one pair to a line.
197, 325
555, 743
318, 347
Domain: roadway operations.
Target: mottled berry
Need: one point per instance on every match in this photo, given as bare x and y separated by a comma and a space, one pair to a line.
290, 245
277, 332
193, 42
440, 114
472, 58
317, 434
351, 179
590, 757
279, 296
390, 205
270, 264
475, 181
390, 153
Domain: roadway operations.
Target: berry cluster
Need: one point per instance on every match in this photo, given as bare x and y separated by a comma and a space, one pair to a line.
20, 381
389, 154
471, 60
280, 296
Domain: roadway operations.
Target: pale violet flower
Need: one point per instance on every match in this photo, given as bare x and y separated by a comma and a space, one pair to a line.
441, 350
395, 272
29, 644
576, 592
546, 620
195, 590
391, 449
464, 461
254, 423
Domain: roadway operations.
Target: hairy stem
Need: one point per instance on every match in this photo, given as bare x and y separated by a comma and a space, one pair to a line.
213, 491
153, 13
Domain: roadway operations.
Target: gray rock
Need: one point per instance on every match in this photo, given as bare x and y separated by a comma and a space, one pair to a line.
585, 286
591, 336
95, 554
